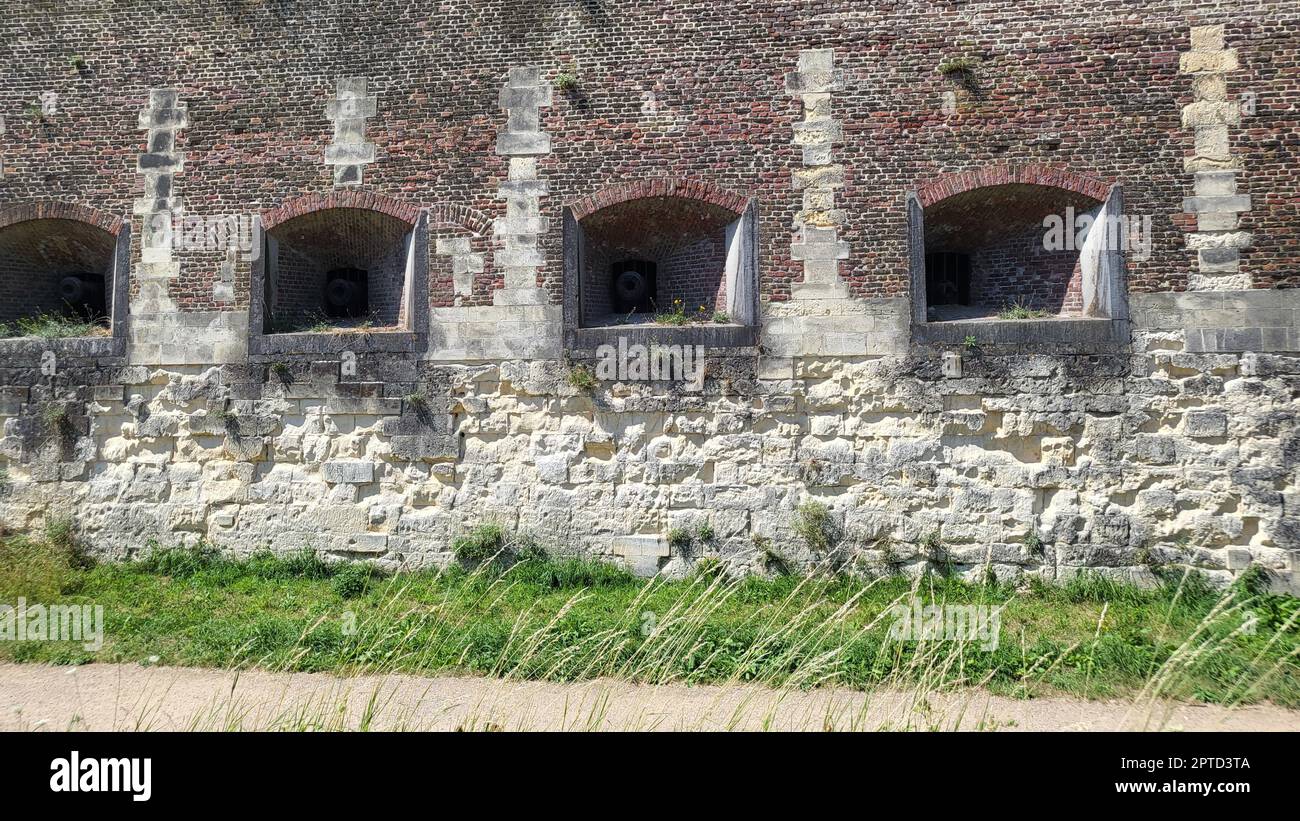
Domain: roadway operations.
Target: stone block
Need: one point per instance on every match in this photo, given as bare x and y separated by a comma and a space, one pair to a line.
1207, 62
523, 143
350, 472
349, 153
374, 543
1215, 205
1216, 183
1207, 113
1226, 239
1207, 38
1226, 221
1218, 259
1206, 424
951, 366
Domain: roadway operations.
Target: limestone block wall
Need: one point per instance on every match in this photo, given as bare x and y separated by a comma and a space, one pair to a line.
1161, 436
1167, 456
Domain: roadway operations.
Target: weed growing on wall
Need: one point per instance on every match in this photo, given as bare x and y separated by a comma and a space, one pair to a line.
581, 378
816, 526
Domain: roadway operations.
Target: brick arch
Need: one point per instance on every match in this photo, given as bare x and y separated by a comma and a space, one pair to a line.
661, 187
461, 215
948, 185
53, 210
367, 201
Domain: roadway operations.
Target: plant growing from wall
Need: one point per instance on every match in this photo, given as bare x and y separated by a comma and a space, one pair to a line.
483, 544
77, 62
567, 78
774, 562
417, 400
282, 372
816, 526
937, 552
581, 378
1034, 545
56, 423
678, 315
229, 421
53, 326
1020, 310
688, 540
679, 539
417, 403
709, 568
960, 70
890, 560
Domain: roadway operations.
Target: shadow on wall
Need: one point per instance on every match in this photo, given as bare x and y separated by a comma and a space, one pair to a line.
652, 256
987, 251
337, 268
55, 270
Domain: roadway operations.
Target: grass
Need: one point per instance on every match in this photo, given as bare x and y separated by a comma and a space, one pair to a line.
1022, 311
52, 326
319, 323
679, 316
533, 617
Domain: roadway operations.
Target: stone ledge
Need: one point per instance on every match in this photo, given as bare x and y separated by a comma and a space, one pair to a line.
1061, 335
1239, 308
262, 346
710, 336
28, 352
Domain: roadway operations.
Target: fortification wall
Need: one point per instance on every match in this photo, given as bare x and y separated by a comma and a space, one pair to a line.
1160, 430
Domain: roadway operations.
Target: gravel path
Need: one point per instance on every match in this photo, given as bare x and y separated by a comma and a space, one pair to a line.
131, 697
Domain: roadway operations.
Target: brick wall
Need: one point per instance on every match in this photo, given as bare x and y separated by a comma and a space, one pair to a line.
1016, 270
671, 89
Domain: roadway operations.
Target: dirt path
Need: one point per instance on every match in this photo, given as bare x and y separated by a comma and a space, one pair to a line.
131, 697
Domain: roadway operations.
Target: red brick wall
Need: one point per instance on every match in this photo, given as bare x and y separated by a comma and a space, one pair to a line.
1017, 270
675, 89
